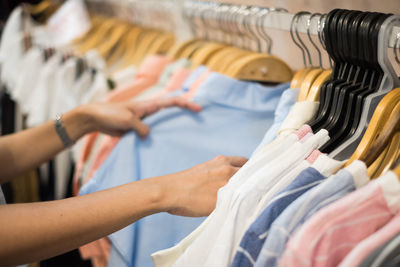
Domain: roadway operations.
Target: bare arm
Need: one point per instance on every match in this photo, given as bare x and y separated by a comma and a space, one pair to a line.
31, 232
26, 150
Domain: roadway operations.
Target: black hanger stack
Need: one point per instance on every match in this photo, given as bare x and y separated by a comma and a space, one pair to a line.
351, 39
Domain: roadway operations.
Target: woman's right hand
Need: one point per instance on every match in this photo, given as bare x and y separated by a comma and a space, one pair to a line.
193, 192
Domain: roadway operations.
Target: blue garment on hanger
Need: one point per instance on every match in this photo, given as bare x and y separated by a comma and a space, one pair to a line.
234, 118
288, 99
253, 240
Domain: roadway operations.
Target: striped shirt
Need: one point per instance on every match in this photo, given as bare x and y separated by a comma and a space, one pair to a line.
251, 192
255, 236
367, 246
332, 189
333, 232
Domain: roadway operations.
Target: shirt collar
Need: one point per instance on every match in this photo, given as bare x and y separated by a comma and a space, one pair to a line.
223, 90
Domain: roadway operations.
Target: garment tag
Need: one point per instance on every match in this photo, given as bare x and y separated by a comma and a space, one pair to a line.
69, 22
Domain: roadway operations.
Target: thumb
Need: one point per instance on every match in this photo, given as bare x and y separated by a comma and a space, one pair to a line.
139, 127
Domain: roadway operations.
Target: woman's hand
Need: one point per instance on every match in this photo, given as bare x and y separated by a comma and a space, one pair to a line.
117, 118
194, 192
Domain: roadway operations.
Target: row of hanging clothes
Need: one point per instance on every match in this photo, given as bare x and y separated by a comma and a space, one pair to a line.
321, 187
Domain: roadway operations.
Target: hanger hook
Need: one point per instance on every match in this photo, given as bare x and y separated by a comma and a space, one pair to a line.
311, 40
292, 24
248, 12
298, 35
321, 35
396, 48
260, 27
238, 19
242, 26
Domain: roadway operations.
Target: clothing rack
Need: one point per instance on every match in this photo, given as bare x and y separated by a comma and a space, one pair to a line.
142, 12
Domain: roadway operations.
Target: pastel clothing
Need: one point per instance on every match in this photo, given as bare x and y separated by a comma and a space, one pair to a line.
299, 211
251, 243
198, 239
224, 100
147, 76
263, 182
288, 99
368, 245
333, 232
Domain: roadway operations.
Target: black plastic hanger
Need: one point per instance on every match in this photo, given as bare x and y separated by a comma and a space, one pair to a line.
340, 68
341, 90
345, 116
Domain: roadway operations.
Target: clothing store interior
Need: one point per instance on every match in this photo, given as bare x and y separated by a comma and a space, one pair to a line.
279, 118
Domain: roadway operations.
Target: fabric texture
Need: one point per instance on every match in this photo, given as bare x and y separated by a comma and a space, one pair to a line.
241, 203
300, 113
367, 246
298, 212
164, 151
147, 75
199, 238
254, 238
385, 256
333, 232
288, 99
164, 79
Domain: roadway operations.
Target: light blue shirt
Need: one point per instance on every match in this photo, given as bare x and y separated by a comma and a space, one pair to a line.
234, 118
288, 99
254, 238
299, 212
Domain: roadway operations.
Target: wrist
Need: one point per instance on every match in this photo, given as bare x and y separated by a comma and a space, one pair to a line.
77, 123
167, 195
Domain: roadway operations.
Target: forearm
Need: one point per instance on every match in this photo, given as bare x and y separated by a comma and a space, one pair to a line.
59, 226
28, 149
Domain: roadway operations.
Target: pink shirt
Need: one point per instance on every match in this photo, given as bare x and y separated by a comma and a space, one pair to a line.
368, 245
147, 76
334, 231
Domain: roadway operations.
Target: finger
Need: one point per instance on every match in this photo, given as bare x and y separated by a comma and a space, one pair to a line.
237, 161
179, 102
139, 127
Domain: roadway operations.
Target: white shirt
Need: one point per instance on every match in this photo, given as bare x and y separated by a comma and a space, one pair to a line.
301, 113
249, 195
11, 48
200, 237
32, 64
40, 101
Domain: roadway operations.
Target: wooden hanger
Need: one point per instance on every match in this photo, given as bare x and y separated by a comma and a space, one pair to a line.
127, 45
391, 155
299, 77
225, 58
98, 37
381, 141
40, 7
397, 171
95, 21
162, 44
315, 90
376, 127
261, 68
375, 165
185, 49
203, 54
145, 39
114, 39
307, 83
